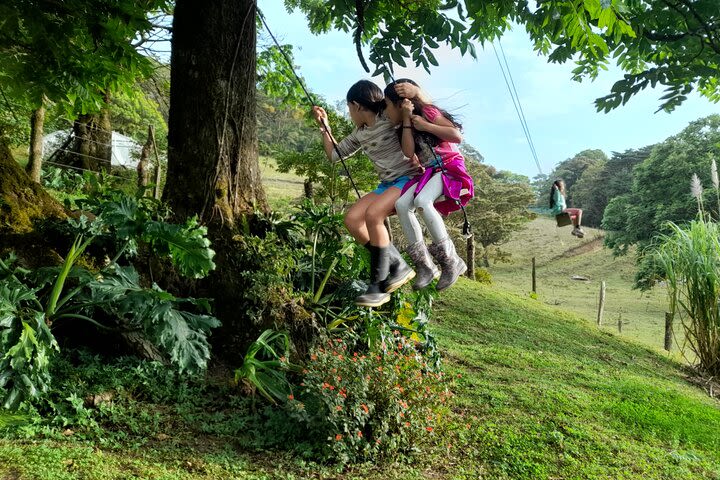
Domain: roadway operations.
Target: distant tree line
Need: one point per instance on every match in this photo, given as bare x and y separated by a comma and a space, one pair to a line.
633, 194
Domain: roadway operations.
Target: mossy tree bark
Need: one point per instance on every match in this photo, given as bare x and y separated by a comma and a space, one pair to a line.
22, 201
213, 168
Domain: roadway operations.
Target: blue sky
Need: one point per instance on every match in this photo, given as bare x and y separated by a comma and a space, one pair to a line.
559, 112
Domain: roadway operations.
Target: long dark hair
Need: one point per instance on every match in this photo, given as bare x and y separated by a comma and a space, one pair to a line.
368, 95
418, 105
557, 185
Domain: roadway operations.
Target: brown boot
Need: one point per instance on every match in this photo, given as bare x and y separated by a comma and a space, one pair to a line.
451, 264
424, 266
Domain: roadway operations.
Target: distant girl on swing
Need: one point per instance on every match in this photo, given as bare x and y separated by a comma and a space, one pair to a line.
433, 135
558, 206
375, 134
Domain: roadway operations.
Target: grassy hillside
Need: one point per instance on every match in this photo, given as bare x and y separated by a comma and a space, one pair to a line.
281, 188
539, 394
559, 256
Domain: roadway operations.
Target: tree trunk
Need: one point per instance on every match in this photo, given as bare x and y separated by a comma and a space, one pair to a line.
143, 168
22, 203
37, 122
213, 168
92, 142
309, 189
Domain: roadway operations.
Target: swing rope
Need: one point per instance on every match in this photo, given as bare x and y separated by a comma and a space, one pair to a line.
467, 228
310, 100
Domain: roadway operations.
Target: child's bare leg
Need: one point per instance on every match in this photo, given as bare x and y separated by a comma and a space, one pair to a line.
355, 218
376, 213
575, 216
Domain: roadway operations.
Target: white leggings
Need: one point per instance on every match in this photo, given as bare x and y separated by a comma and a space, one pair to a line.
408, 203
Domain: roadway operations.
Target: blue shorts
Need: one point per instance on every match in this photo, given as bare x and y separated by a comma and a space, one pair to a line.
398, 182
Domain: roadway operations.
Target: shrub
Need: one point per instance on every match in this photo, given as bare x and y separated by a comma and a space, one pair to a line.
368, 404
483, 276
690, 260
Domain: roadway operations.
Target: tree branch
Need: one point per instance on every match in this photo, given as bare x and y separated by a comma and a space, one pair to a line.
360, 16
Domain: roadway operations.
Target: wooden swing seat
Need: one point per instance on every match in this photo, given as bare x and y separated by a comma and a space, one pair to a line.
563, 219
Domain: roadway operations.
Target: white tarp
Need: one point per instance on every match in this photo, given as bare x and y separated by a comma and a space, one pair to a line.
125, 151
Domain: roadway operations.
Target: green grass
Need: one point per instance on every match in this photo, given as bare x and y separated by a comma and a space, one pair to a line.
558, 398
282, 189
559, 256
540, 391
539, 394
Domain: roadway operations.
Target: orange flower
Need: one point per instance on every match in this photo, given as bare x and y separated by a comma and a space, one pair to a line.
313, 357
338, 437
290, 397
359, 433
364, 407
338, 407
429, 429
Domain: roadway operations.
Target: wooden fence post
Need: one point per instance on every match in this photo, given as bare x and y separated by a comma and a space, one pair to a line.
470, 257
156, 188
533, 276
601, 305
620, 323
668, 330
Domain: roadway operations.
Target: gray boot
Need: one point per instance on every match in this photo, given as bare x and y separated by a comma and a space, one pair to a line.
426, 269
451, 264
400, 272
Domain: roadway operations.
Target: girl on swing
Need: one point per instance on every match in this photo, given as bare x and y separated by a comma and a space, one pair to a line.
375, 134
433, 134
558, 206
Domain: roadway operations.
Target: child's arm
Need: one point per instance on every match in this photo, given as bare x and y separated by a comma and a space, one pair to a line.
441, 127
328, 140
407, 139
